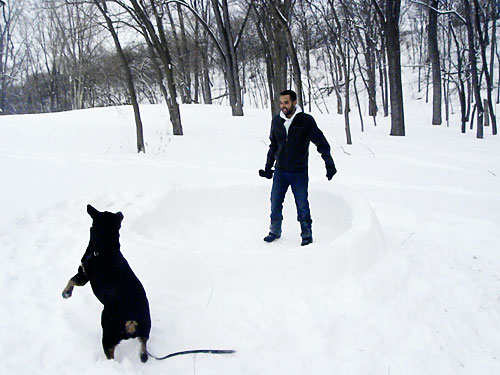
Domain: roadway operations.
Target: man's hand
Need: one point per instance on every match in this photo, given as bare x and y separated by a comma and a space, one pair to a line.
268, 173
330, 171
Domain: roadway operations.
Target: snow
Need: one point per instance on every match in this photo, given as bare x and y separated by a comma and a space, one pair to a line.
403, 276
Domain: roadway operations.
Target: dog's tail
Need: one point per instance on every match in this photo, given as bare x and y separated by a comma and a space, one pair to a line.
131, 326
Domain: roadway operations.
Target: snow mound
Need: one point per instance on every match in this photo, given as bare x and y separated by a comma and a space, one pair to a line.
233, 220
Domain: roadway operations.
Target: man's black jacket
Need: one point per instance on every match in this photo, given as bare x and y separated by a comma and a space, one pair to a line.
291, 151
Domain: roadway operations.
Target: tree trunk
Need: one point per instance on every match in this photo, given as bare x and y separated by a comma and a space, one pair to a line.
434, 58
101, 5
156, 65
493, 42
206, 86
344, 54
307, 47
383, 76
394, 61
181, 64
270, 73
272, 36
461, 86
357, 97
230, 58
296, 72
186, 69
473, 65
489, 81
160, 42
486, 113
371, 72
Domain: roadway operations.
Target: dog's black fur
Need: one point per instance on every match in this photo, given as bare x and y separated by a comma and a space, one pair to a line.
126, 308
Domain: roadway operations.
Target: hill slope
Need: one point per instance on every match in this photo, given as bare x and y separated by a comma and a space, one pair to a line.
403, 276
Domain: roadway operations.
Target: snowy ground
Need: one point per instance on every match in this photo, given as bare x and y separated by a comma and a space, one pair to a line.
403, 276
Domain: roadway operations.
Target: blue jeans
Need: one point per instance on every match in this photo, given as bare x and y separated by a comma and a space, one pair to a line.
299, 182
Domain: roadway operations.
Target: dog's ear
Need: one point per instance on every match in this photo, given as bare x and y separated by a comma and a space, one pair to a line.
92, 211
119, 215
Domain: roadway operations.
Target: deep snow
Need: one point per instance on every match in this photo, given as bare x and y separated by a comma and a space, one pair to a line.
403, 276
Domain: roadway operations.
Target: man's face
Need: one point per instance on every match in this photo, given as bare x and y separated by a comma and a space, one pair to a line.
287, 106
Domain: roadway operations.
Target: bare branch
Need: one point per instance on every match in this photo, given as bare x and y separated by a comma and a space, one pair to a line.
379, 11
240, 34
202, 21
452, 11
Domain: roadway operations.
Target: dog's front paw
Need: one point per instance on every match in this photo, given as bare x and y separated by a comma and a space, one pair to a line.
67, 292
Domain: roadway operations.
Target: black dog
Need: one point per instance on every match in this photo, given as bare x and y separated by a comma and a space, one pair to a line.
126, 308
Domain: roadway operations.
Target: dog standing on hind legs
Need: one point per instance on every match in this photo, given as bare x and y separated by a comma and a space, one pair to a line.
126, 308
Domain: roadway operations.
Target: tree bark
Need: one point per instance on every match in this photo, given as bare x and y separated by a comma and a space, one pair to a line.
371, 72
473, 65
435, 63
486, 70
390, 22
460, 85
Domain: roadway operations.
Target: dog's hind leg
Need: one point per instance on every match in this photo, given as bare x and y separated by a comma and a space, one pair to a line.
109, 346
110, 334
144, 351
110, 352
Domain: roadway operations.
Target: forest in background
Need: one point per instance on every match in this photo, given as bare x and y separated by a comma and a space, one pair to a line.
59, 55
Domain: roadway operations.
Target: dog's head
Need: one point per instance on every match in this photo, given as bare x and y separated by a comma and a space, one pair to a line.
105, 221
104, 234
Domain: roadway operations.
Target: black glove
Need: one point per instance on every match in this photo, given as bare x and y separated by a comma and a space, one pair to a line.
330, 171
268, 173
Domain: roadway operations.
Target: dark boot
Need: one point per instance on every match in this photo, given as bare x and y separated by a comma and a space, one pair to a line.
306, 233
274, 231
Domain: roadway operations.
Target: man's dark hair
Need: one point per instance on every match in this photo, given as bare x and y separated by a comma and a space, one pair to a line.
293, 95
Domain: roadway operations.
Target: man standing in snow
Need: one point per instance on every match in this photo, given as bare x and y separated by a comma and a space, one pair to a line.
291, 132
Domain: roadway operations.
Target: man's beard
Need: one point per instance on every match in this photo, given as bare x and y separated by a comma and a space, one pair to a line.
287, 111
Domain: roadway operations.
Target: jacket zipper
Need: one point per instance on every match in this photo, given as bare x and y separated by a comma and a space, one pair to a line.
286, 145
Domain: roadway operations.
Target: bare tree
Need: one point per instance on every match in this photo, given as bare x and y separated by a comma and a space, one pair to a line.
389, 20
182, 56
473, 66
10, 12
227, 46
342, 38
221, 12
101, 5
435, 62
202, 38
272, 36
275, 6
494, 15
75, 25
478, 11
460, 79
149, 20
